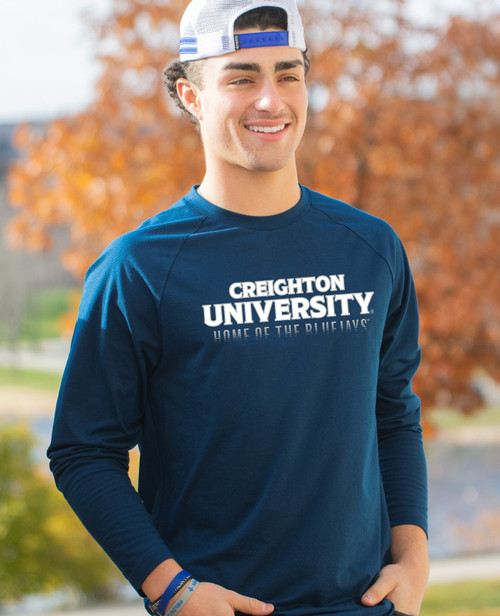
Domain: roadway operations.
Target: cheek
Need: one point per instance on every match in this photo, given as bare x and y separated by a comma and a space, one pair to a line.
225, 123
217, 129
304, 104
302, 116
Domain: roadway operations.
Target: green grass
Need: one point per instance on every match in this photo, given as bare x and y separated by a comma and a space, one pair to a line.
14, 377
463, 597
451, 419
43, 311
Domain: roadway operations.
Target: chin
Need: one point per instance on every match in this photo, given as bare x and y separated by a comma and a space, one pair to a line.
268, 169
267, 166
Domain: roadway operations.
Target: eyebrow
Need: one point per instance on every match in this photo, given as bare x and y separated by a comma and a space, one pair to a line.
254, 67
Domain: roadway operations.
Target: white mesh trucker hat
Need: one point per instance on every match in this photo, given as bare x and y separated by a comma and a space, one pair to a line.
207, 28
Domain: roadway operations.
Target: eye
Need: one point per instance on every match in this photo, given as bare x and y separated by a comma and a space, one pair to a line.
240, 81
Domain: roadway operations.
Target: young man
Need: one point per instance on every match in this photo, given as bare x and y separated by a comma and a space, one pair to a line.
258, 341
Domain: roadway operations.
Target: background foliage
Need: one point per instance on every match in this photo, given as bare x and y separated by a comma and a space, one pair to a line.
43, 546
404, 123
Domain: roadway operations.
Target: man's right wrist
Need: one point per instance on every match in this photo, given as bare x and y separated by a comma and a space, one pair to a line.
181, 598
159, 606
158, 580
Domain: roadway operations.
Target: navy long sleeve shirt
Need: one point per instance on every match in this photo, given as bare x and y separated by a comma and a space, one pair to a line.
263, 365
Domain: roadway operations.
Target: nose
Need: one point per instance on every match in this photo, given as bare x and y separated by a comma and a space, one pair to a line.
268, 98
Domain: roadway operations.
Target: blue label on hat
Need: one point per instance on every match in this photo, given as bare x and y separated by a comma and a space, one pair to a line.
261, 39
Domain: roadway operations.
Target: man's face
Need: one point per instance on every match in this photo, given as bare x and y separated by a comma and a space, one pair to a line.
252, 108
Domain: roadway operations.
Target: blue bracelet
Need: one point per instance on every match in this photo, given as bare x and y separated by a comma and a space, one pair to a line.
186, 594
170, 591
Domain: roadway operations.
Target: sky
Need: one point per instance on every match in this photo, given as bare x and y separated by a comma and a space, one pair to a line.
47, 66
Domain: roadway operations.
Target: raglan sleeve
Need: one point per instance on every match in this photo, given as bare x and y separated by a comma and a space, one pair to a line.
401, 452
100, 409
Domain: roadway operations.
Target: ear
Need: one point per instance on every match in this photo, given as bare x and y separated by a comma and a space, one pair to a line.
189, 95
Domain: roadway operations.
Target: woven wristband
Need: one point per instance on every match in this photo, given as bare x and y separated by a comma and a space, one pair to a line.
170, 591
187, 593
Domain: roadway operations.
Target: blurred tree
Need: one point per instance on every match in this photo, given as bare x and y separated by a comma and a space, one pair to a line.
410, 132
43, 547
404, 123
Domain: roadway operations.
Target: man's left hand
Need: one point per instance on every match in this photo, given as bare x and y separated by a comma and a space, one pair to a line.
403, 582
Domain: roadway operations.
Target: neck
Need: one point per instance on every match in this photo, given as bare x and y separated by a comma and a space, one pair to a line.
252, 193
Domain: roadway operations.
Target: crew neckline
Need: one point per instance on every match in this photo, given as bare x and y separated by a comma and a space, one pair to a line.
251, 222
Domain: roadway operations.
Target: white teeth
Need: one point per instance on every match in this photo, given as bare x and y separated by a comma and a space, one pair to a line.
267, 129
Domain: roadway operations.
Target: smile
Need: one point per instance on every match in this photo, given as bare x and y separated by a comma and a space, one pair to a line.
267, 129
